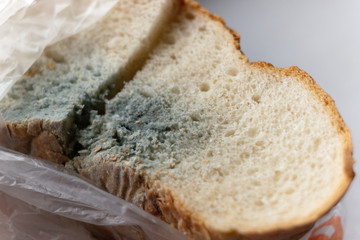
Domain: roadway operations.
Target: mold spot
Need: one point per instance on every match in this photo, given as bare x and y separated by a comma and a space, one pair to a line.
144, 129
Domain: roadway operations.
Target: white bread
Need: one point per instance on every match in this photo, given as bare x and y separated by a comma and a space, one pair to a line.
219, 147
216, 146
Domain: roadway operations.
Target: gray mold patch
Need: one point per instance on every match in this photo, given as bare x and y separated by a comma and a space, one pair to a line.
59, 92
55, 91
143, 130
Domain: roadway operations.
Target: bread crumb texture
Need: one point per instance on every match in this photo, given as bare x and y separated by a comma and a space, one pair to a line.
237, 145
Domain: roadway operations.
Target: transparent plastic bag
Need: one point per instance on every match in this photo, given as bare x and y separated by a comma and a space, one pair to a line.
43, 201
28, 26
50, 194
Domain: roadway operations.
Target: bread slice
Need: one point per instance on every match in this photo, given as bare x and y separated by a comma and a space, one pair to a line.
216, 146
72, 77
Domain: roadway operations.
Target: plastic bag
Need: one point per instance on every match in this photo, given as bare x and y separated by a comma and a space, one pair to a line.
28, 26
43, 201
53, 193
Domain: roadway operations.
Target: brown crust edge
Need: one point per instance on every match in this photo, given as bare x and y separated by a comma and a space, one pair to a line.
36, 138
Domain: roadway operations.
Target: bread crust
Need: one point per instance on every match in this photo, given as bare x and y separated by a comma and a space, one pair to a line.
38, 138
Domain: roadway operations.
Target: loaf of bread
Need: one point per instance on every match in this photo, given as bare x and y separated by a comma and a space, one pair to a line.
218, 147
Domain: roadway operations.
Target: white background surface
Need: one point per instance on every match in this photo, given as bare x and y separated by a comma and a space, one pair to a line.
321, 37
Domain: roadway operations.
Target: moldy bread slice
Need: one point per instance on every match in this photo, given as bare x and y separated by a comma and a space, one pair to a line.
46, 107
216, 146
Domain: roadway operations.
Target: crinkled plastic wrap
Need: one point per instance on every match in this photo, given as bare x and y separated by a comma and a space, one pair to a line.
28, 26
43, 201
